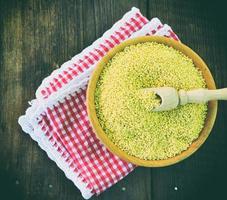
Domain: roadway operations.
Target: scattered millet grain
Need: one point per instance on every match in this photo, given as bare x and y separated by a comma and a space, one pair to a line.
126, 120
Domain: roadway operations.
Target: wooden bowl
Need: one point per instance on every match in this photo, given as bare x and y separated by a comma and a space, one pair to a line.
210, 118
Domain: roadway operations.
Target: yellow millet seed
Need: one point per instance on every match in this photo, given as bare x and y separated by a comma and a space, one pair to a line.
123, 113
149, 99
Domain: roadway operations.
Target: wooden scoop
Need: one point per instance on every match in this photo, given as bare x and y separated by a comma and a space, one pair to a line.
171, 98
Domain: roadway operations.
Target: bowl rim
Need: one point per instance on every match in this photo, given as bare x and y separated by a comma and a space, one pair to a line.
209, 121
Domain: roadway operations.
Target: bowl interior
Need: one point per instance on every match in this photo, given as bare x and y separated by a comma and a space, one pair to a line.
210, 118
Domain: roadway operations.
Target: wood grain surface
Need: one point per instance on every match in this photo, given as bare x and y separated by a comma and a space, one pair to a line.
36, 36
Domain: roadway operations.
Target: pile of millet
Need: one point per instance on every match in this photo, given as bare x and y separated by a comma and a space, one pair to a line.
123, 112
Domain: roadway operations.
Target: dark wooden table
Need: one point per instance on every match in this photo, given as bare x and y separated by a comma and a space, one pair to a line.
38, 35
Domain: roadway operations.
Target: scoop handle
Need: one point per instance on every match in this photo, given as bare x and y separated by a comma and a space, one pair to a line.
202, 95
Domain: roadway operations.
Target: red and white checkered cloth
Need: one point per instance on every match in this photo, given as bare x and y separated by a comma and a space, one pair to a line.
57, 118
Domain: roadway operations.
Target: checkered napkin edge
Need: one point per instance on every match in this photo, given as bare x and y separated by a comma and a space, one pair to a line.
48, 96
